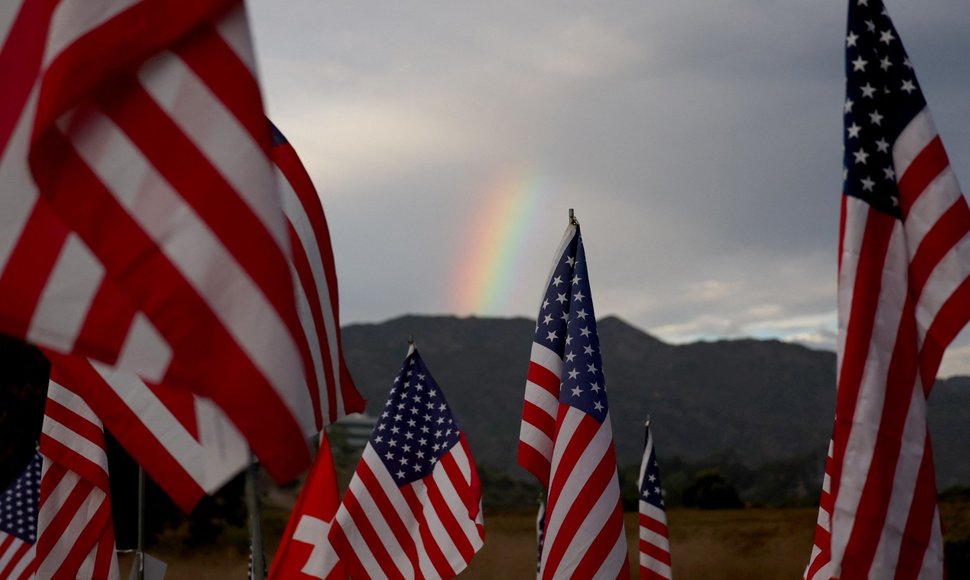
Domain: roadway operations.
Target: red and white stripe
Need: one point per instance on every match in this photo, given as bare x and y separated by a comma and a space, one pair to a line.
184, 442
146, 231
75, 531
16, 558
315, 279
584, 535
904, 294
427, 529
654, 536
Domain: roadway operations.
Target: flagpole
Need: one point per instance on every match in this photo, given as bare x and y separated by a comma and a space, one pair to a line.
572, 217
255, 530
140, 562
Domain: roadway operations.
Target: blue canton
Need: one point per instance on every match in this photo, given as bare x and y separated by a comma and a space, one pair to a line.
18, 503
882, 97
416, 427
567, 326
651, 491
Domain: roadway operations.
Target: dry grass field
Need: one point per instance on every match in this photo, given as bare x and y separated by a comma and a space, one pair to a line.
747, 544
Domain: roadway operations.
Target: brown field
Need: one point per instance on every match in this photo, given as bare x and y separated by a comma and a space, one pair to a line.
747, 544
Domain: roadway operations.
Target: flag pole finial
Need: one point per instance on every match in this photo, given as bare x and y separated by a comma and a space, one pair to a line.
572, 217
647, 422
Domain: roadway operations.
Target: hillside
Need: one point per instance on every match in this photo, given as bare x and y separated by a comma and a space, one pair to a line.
756, 400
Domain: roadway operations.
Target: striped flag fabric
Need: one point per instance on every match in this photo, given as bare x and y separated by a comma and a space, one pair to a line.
414, 506
305, 551
141, 224
76, 533
184, 442
566, 438
654, 536
18, 522
904, 294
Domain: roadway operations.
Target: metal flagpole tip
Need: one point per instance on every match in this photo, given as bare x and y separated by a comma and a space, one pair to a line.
647, 422
572, 217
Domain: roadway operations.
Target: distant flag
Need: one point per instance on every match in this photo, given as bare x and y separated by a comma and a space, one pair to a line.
566, 437
654, 536
904, 293
18, 523
76, 534
305, 550
413, 508
142, 225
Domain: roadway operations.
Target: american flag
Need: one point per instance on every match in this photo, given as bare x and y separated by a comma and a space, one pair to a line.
141, 223
904, 293
184, 442
305, 551
654, 536
76, 534
566, 438
414, 506
18, 523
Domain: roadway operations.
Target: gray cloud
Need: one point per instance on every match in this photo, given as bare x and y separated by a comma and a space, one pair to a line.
700, 144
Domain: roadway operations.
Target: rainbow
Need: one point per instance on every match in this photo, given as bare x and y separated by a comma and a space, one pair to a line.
491, 266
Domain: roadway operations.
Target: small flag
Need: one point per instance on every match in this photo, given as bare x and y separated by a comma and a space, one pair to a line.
18, 523
414, 505
305, 550
654, 536
76, 533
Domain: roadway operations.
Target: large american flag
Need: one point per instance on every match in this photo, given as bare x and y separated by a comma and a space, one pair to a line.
76, 533
904, 293
141, 224
184, 442
18, 523
566, 438
305, 551
654, 536
414, 506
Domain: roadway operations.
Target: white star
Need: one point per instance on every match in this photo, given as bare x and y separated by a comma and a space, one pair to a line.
551, 337
545, 304
588, 349
868, 91
573, 374
889, 173
876, 118
547, 319
909, 87
882, 146
859, 64
907, 63
848, 106
887, 36
400, 474
870, 26
854, 131
584, 331
591, 368
863, 2
576, 279
578, 297
867, 184
598, 406
571, 261
581, 313
576, 391
570, 356
861, 156
561, 298
885, 63
557, 281
850, 40
389, 456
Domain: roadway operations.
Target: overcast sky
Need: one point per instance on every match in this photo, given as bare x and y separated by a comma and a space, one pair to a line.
699, 142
